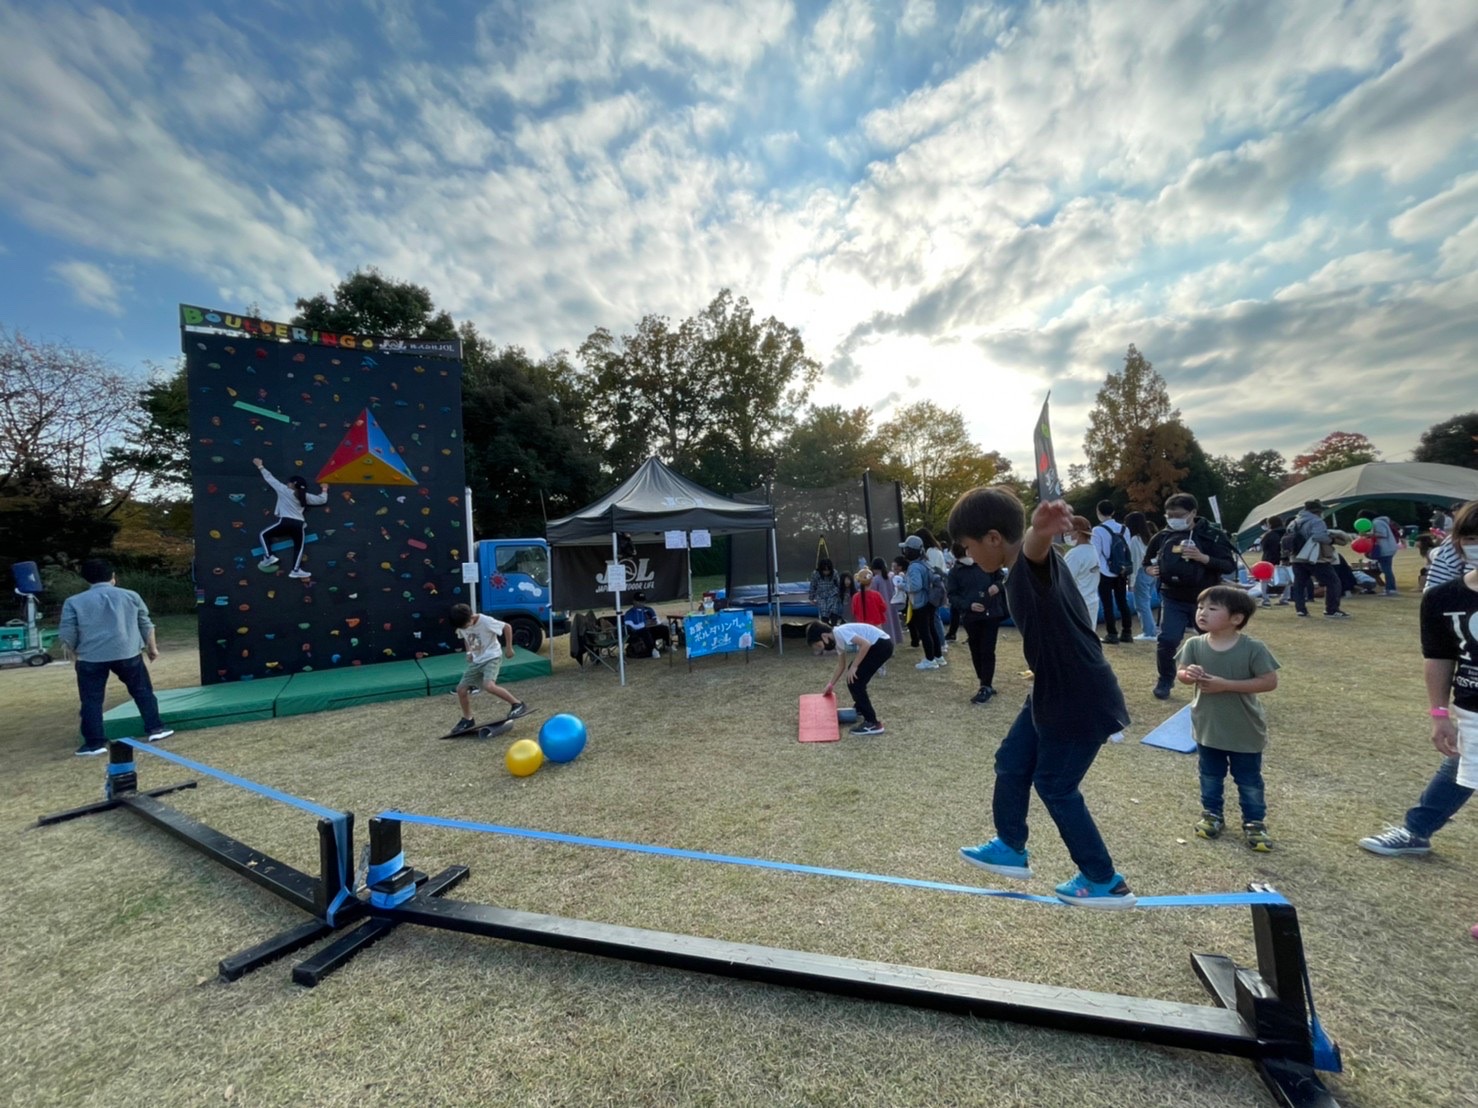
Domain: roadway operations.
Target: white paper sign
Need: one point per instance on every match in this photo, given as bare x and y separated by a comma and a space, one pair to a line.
701, 539
469, 573
676, 540
615, 577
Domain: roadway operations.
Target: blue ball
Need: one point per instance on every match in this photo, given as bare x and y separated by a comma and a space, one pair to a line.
562, 738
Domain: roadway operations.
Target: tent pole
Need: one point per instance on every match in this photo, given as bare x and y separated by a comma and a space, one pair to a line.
620, 626
775, 593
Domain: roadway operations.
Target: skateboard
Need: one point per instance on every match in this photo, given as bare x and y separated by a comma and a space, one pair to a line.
487, 731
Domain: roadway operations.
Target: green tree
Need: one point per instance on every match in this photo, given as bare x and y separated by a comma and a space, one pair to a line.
1453, 442
762, 377
1248, 481
368, 303
649, 394
712, 396
46, 520
526, 454
1133, 399
156, 452
929, 452
1335, 451
827, 445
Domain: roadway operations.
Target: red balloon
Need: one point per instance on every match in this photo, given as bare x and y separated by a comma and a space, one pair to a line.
1362, 545
1263, 571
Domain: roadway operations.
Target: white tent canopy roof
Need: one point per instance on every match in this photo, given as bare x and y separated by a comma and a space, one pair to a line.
1424, 481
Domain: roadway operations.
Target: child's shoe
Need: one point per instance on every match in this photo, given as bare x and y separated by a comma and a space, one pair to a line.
1256, 833
1210, 826
998, 858
1106, 895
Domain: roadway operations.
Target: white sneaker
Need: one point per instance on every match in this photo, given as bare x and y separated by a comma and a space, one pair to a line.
269, 560
162, 733
926, 664
656, 653
300, 574
1146, 638
942, 660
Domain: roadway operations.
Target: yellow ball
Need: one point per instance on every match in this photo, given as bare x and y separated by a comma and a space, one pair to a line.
524, 757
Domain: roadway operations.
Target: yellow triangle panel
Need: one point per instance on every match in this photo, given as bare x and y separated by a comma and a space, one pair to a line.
368, 469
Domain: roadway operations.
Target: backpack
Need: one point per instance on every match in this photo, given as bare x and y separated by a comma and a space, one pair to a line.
1292, 543
938, 589
1119, 561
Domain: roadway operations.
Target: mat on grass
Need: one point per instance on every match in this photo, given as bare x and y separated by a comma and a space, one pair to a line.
326, 689
1174, 733
445, 670
818, 720
189, 709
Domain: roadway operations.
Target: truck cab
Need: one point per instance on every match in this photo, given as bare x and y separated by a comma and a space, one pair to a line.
513, 586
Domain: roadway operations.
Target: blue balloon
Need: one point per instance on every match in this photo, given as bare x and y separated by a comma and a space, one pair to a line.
562, 738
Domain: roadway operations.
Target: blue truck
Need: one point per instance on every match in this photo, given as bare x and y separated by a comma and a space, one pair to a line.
513, 586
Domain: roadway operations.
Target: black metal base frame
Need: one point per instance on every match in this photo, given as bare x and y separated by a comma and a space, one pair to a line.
315, 895
1260, 1014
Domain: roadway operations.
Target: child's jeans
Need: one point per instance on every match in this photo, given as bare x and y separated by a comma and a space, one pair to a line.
1055, 766
1246, 770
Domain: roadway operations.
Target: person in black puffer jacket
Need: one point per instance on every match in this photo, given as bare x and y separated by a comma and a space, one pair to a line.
978, 597
1190, 555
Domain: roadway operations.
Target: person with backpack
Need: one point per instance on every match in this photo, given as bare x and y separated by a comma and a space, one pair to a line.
1111, 544
1383, 534
1191, 555
1313, 560
921, 596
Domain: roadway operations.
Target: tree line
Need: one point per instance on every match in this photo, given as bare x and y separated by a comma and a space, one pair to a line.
722, 396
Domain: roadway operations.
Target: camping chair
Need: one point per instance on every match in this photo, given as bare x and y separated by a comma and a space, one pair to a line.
599, 641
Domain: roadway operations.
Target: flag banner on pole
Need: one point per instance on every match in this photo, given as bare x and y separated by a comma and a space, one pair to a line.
1049, 486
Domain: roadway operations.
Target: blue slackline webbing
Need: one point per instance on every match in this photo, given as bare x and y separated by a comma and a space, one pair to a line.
340, 820
232, 779
1192, 901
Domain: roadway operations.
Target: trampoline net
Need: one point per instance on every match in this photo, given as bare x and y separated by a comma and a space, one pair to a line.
803, 517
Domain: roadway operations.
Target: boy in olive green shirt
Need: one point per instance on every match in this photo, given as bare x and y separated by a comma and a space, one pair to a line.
1229, 669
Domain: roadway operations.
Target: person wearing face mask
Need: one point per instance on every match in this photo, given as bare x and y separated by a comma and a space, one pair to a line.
1450, 647
978, 597
1189, 556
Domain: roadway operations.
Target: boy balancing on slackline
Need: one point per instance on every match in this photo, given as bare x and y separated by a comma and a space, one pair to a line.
1074, 706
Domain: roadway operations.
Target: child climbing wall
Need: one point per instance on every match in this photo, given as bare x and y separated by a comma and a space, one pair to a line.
379, 422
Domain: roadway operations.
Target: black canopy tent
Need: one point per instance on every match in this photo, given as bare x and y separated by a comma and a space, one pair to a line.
651, 502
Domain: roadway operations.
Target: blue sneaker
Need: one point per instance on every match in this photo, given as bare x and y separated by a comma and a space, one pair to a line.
1111, 894
998, 858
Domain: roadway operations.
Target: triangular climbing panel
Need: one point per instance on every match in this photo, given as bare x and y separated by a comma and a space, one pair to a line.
365, 457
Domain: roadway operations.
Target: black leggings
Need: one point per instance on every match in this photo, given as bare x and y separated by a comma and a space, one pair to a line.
285, 528
923, 627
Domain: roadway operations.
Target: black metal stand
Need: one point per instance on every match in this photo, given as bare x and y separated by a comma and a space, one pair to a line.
314, 895
1261, 1014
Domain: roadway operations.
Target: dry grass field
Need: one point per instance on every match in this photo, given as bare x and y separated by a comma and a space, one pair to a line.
113, 930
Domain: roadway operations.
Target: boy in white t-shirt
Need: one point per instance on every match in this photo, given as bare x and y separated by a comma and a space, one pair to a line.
873, 647
480, 634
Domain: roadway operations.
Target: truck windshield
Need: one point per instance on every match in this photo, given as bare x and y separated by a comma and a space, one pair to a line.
530, 560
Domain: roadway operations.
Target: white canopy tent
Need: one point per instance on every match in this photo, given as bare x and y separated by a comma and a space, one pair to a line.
1424, 481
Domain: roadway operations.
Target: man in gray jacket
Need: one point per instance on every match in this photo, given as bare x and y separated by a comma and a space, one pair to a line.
105, 628
1309, 525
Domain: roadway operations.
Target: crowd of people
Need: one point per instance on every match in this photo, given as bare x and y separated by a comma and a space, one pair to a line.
1051, 576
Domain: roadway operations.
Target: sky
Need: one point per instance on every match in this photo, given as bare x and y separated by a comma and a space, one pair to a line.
972, 204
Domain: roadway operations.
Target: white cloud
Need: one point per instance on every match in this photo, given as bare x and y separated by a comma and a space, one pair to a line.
91, 285
1441, 214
